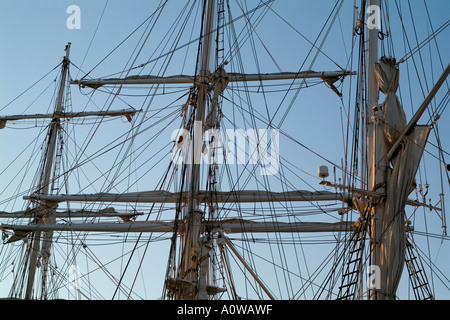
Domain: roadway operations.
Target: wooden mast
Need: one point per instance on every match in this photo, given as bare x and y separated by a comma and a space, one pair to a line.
376, 145
44, 212
191, 272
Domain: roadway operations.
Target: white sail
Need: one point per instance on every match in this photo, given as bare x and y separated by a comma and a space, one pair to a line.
401, 179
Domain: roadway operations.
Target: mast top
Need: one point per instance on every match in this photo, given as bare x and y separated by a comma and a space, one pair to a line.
67, 49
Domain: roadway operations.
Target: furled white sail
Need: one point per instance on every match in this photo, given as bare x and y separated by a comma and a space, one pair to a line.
387, 75
393, 236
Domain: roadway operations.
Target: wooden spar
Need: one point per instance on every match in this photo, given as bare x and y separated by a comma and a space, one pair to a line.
229, 226
247, 266
232, 77
201, 196
71, 214
67, 115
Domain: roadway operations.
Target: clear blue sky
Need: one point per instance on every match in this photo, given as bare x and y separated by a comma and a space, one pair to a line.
33, 35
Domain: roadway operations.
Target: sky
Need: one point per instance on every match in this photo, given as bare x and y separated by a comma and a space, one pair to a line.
34, 34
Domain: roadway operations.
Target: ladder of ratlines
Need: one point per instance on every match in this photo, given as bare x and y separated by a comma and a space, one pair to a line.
57, 164
417, 276
220, 31
353, 267
60, 147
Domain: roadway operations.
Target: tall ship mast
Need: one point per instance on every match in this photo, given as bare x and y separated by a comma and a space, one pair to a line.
197, 184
